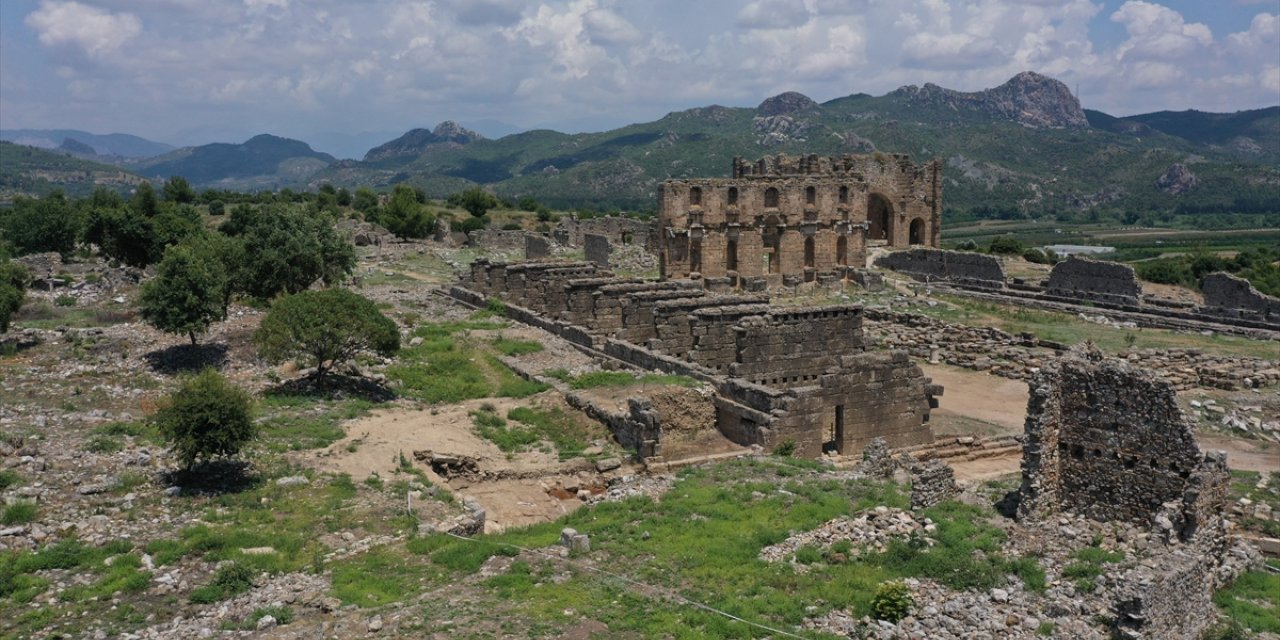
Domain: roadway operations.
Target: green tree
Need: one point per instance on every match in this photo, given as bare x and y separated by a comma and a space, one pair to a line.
205, 418
177, 189
366, 201
286, 251
344, 197
122, 234
405, 216
13, 287
1006, 244
326, 327
188, 294
45, 224
144, 200
475, 200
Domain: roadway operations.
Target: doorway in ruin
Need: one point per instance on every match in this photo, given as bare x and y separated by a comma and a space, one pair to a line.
917, 232
772, 237
842, 251
731, 255
835, 444
695, 255
880, 218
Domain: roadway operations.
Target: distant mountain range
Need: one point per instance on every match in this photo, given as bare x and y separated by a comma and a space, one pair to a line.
112, 144
1026, 144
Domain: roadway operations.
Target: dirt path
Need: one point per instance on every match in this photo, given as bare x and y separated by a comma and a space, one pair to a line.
1244, 455
970, 396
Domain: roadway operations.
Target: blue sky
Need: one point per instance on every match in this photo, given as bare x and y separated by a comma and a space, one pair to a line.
194, 71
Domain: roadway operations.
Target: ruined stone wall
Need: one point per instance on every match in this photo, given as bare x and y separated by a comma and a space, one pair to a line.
793, 347
620, 231
597, 249
786, 220
536, 247
1170, 601
498, 239
936, 265
1108, 441
1084, 279
1227, 295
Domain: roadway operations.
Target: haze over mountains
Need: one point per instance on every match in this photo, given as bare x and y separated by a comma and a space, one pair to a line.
1027, 141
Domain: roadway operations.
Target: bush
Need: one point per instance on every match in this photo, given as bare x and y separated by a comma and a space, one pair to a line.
1040, 256
19, 513
230, 580
330, 327
286, 251
206, 417
45, 224
405, 216
967, 245
217, 208
13, 288
892, 601
475, 200
786, 449
1008, 245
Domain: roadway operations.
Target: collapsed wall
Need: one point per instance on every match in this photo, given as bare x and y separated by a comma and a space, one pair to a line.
1081, 279
1227, 295
798, 375
938, 265
572, 231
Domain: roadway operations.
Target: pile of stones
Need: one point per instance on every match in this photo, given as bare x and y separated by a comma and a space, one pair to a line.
869, 532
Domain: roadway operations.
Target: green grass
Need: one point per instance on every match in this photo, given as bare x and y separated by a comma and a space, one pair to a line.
103, 444
231, 580
1088, 564
19, 513
597, 379
509, 347
297, 423
493, 428
738, 509
9, 478
377, 577
452, 366
567, 435
1070, 329
1253, 600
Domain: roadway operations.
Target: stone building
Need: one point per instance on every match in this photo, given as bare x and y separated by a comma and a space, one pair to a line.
784, 220
798, 375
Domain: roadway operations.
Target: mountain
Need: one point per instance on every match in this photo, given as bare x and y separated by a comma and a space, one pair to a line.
111, 144
28, 170
1251, 134
1026, 144
263, 161
418, 141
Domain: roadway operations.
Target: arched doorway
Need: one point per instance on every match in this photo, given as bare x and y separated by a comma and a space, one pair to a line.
917, 231
880, 218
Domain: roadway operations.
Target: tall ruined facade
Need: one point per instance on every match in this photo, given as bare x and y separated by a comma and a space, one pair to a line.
784, 220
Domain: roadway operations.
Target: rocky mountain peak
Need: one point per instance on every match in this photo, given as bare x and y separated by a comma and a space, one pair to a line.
450, 131
1028, 98
786, 104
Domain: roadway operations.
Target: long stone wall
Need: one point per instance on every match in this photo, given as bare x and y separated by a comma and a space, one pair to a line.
937, 265
1227, 295
619, 231
796, 374
1082, 279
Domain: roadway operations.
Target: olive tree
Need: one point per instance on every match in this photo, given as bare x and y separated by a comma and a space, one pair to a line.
188, 293
206, 417
326, 328
13, 287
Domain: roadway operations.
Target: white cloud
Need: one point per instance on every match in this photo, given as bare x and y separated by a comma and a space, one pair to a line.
1157, 32
773, 14
94, 30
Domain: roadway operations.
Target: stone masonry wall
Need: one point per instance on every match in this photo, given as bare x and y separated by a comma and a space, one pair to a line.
536, 247
1227, 295
1108, 441
1170, 601
620, 231
959, 267
1082, 279
597, 249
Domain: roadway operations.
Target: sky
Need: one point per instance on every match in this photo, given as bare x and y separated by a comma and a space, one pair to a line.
339, 73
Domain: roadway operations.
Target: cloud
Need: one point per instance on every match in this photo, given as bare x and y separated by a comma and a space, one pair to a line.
773, 14
94, 30
1157, 32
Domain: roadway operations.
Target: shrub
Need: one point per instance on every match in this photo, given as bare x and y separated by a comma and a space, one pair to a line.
330, 327
13, 288
1040, 256
230, 580
65, 301
217, 208
206, 417
286, 251
967, 245
405, 216
892, 601
45, 224
786, 449
1006, 245
475, 200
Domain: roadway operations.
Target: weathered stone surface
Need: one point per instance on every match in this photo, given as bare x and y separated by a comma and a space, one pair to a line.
1083, 279
932, 482
536, 247
1227, 295
1177, 179
937, 265
597, 249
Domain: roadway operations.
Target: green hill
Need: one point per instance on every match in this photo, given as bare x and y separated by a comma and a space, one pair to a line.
30, 171
264, 161
1026, 144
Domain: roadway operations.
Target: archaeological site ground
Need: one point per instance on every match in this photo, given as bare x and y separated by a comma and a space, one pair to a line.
786, 406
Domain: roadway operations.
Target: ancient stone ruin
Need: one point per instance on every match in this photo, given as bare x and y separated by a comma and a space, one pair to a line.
597, 249
953, 267
536, 247
1227, 295
620, 231
932, 482
785, 220
794, 375
1109, 442
1083, 279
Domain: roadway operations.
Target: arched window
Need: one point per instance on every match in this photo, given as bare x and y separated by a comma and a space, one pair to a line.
844, 195
733, 195
810, 195
771, 198
880, 217
695, 196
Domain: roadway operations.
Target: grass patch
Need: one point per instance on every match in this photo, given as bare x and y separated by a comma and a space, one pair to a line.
1253, 601
103, 444
703, 539
298, 423
20, 513
9, 478
597, 379
231, 580
377, 577
451, 366
509, 347
1088, 564
567, 435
